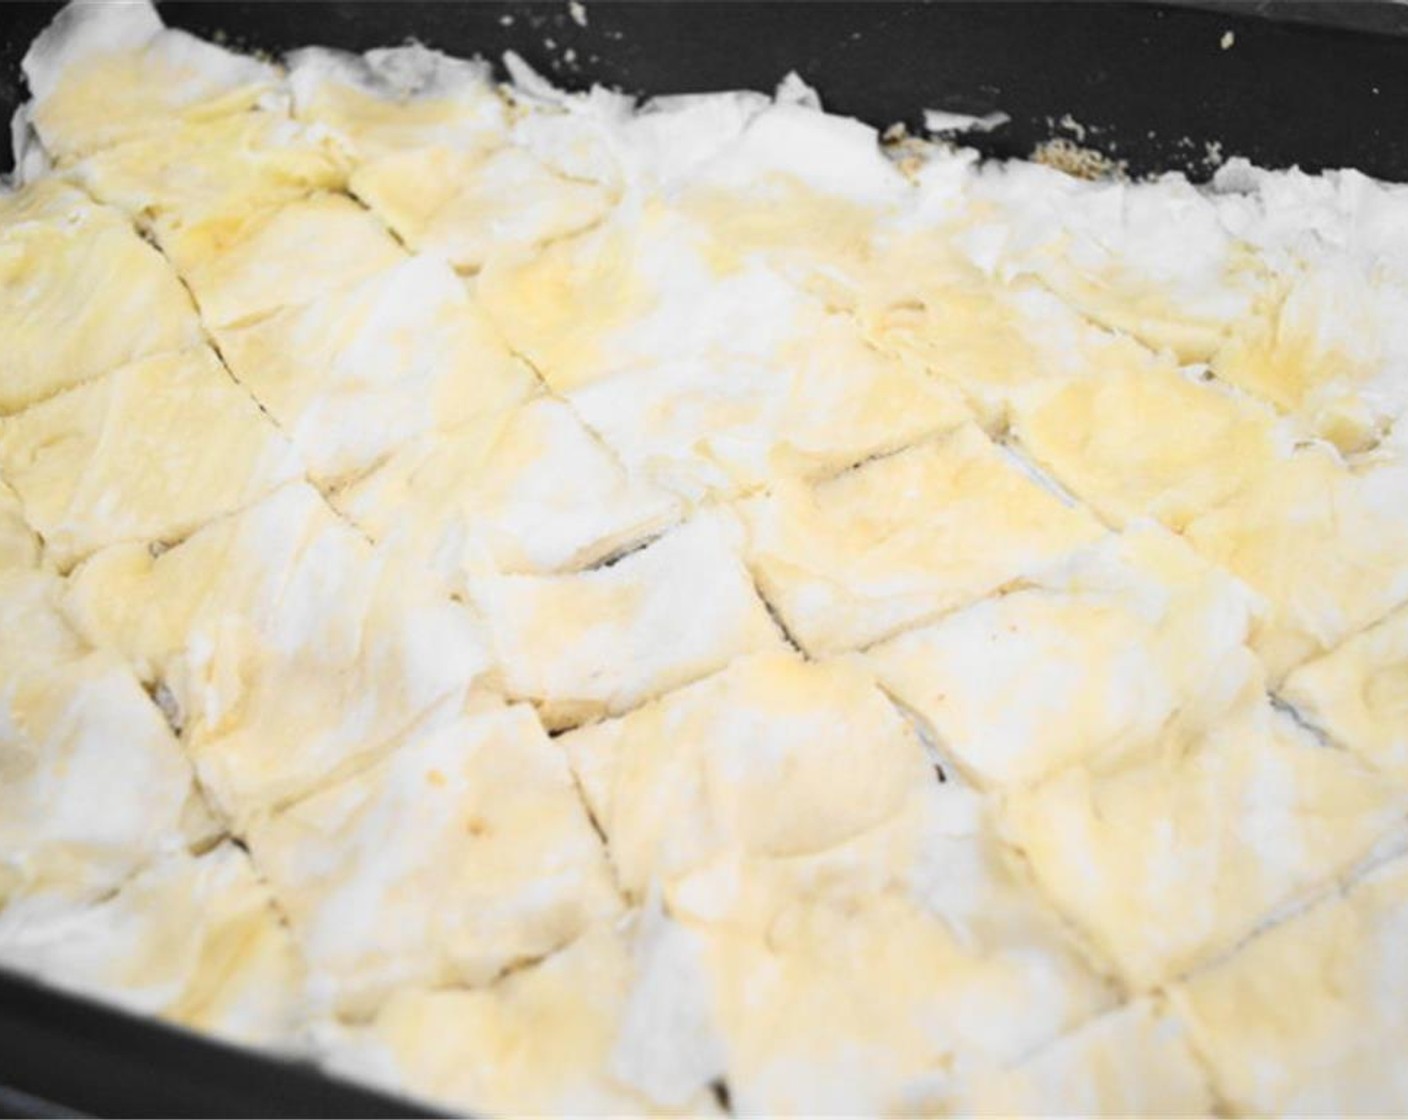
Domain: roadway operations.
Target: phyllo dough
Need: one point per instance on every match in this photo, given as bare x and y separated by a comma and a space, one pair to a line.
1326, 546
851, 928
1150, 443
539, 1041
194, 940
645, 288
1155, 261
397, 99
1089, 663
80, 294
464, 853
1169, 857
106, 72
1311, 1018
1329, 346
773, 757
1358, 693
184, 179
149, 452
923, 295
353, 375
291, 650
657, 618
1134, 1061
822, 401
289, 254
20, 546
525, 490
468, 205
895, 542
93, 784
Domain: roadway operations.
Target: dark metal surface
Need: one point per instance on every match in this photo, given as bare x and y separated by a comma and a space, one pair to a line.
61, 1055
1151, 84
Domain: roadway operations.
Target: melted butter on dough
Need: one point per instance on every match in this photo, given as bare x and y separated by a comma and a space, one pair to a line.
1359, 694
822, 401
195, 941
1149, 442
355, 374
791, 818
1135, 1061
856, 558
80, 294
1171, 856
501, 865
209, 171
470, 206
657, 619
258, 261
1325, 546
1309, 1018
525, 490
106, 72
293, 649
398, 99
876, 976
773, 757
1090, 663
74, 726
20, 546
542, 1039
148, 452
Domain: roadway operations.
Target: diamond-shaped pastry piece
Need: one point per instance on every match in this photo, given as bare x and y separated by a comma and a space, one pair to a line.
644, 289
1001, 343
92, 782
353, 375
1325, 546
1311, 1017
258, 261
463, 853
149, 452
1170, 857
292, 651
656, 619
1089, 663
103, 73
1103, 438
469, 205
823, 401
211, 170
853, 559
773, 757
522, 490
1358, 693
194, 940
80, 294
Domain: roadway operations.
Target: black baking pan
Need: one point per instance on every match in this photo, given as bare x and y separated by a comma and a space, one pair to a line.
1159, 87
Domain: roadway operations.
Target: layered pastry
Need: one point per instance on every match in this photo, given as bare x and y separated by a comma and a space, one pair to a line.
553, 604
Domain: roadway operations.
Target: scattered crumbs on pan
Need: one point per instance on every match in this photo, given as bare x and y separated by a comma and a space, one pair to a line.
578, 11
506, 20
1229, 39
1066, 155
1074, 127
